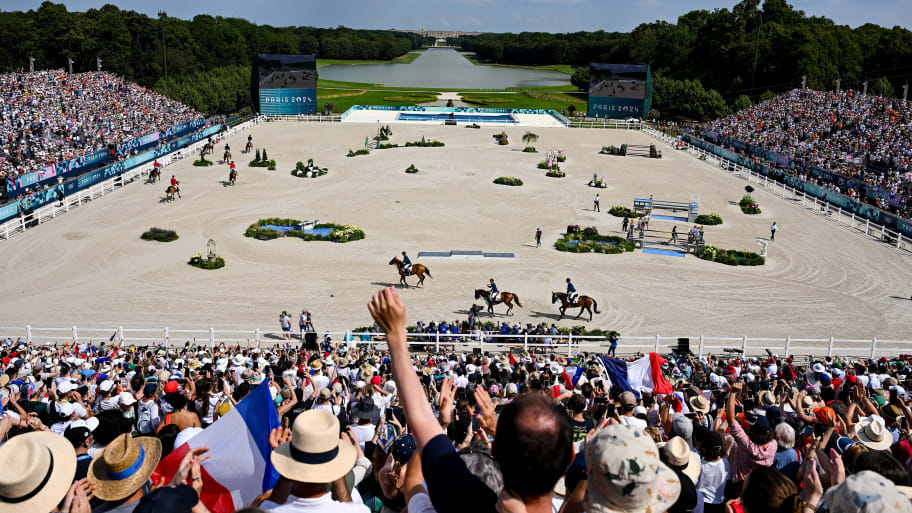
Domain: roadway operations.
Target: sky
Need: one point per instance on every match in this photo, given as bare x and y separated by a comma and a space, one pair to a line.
483, 15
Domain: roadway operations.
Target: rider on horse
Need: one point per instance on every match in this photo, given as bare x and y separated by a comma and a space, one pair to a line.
572, 294
175, 183
495, 294
406, 264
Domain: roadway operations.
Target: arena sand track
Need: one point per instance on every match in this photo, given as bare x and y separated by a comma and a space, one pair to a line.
89, 267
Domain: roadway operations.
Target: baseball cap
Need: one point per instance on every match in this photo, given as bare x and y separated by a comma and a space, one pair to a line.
172, 387
757, 423
77, 435
168, 499
627, 400
66, 387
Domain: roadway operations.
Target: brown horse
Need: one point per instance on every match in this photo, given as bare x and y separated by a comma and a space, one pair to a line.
506, 298
232, 176
582, 302
249, 147
154, 175
226, 157
207, 148
171, 191
417, 270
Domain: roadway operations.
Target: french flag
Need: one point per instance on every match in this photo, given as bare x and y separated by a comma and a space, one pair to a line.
643, 375
571, 375
239, 468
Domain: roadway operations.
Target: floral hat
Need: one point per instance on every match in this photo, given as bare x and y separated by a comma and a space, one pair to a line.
867, 492
626, 475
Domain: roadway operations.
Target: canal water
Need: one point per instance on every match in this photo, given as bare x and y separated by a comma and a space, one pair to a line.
445, 68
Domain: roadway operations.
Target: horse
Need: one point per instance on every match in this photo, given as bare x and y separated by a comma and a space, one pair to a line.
171, 191
417, 270
207, 148
582, 302
506, 298
154, 175
226, 158
249, 147
232, 176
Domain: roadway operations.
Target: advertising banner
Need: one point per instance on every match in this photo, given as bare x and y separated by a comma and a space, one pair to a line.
71, 167
286, 84
288, 101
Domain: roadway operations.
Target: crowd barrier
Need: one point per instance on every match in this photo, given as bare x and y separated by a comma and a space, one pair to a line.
617, 124
566, 344
317, 118
104, 181
806, 198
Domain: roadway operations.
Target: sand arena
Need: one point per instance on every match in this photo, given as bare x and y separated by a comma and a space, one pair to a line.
89, 267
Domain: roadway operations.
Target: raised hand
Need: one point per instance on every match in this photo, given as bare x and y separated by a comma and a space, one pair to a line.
389, 312
447, 396
487, 419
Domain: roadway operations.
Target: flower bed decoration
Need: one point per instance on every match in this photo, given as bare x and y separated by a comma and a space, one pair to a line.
530, 149
709, 219
197, 260
748, 205
619, 211
309, 170
202, 162
355, 153
159, 234
614, 150
549, 164
411, 169
508, 180
424, 144
730, 256
262, 160
589, 240
502, 139
272, 228
555, 173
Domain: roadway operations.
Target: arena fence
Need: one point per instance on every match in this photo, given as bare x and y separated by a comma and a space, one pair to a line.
565, 344
857, 224
336, 118
618, 124
44, 214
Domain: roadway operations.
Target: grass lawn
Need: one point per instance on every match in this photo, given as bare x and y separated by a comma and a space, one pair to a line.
563, 68
402, 59
367, 97
528, 100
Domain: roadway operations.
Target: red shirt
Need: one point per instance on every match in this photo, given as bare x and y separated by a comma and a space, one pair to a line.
173, 181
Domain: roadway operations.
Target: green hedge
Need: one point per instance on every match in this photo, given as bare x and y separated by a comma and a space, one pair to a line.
202, 162
355, 153
424, 144
544, 165
614, 150
619, 211
204, 263
747, 205
411, 169
300, 170
555, 173
508, 180
709, 219
263, 163
159, 234
340, 233
730, 256
530, 149
589, 241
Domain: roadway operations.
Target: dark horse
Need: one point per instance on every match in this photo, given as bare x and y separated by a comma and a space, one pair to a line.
226, 158
171, 191
207, 148
506, 298
582, 302
232, 176
417, 270
249, 147
154, 175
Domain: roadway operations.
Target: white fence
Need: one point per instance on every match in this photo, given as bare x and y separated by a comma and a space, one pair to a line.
618, 124
857, 224
492, 342
335, 118
50, 211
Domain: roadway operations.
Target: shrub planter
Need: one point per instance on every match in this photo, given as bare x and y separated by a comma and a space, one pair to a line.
502, 139
544, 165
263, 230
159, 234
748, 205
730, 256
530, 149
555, 173
508, 180
589, 240
262, 160
355, 153
424, 144
708, 219
197, 260
411, 169
614, 150
619, 211
202, 162
654, 153
309, 170
597, 183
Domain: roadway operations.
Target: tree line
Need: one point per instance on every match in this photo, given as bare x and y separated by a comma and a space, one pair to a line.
732, 55
194, 52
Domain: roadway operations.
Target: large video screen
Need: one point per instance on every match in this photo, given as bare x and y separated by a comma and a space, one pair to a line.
287, 84
619, 90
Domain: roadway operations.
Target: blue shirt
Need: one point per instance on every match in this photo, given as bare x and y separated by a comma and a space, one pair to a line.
786, 461
406, 260
570, 287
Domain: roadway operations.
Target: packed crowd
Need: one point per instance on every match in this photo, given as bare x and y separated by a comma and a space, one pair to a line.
50, 116
865, 138
364, 430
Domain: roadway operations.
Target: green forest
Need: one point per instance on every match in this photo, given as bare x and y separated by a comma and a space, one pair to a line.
207, 62
710, 62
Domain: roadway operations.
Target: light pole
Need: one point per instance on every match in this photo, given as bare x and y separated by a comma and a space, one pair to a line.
162, 15
70, 61
31, 64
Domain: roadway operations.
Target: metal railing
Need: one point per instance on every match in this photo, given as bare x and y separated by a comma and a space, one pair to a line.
568, 344
856, 223
44, 214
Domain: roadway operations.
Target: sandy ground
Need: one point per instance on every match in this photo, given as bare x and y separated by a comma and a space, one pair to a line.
90, 268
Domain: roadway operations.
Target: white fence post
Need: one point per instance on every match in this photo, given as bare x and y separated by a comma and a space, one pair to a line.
256, 334
570, 346
437, 343
212, 336
28, 333
167, 337
744, 346
788, 346
700, 351
657, 343
873, 347
830, 350
75, 335
481, 341
525, 342
120, 334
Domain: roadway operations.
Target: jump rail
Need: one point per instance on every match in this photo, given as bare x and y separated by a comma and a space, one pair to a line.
570, 345
870, 230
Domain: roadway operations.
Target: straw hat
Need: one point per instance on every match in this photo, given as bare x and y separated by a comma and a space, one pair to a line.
314, 454
45, 464
316, 365
872, 431
625, 474
679, 456
767, 398
699, 403
124, 466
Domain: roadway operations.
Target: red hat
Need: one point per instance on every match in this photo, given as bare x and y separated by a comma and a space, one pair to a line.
171, 387
375, 380
852, 379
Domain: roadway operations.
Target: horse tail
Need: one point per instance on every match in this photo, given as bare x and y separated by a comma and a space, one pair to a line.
595, 306
428, 271
517, 301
